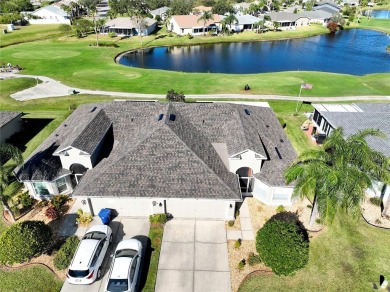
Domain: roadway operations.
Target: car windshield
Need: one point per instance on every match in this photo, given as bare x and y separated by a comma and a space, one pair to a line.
117, 285
129, 253
94, 235
78, 273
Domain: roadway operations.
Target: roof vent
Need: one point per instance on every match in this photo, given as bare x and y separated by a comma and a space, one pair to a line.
267, 126
281, 140
248, 112
172, 117
65, 125
277, 152
131, 120
94, 109
160, 117
202, 121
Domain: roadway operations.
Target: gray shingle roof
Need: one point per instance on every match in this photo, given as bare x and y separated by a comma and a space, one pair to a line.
7, 116
318, 14
373, 115
159, 11
284, 16
152, 158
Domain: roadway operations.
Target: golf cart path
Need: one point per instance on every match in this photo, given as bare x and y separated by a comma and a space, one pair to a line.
53, 88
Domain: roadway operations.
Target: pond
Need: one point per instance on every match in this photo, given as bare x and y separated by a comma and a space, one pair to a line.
383, 14
354, 51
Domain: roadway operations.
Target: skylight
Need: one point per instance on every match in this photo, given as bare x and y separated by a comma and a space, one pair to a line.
172, 117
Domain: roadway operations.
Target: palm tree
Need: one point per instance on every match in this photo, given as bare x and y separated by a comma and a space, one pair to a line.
229, 20
11, 152
207, 15
336, 176
260, 25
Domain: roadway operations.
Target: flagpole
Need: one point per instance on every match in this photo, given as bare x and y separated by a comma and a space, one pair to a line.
299, 97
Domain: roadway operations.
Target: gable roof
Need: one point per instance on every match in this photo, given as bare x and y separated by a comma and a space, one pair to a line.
7, 116
53, 9
189, 21
284, 16
360, 116
127, 23
317, 14
246, 18
159, 11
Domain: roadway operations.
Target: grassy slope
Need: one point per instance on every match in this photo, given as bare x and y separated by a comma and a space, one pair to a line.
75, 63
29, 279
349, 256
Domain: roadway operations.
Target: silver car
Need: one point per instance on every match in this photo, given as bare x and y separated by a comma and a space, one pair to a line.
125, 266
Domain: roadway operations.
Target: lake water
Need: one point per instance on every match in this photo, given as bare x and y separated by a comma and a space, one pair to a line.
355, 51
383, 14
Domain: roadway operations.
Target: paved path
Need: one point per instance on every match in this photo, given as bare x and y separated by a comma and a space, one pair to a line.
246, 232
194, 257
52, 88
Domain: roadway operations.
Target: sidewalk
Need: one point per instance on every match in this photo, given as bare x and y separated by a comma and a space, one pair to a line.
246, 232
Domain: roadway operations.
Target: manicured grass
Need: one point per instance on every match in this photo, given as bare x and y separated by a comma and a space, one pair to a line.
373, 23
29, 279
28, 33
155, 234
349, 256
75, 63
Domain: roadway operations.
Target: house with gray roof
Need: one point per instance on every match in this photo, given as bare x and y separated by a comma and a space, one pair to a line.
124, 26
317, 16
194, 160
50, 14
10, 123
244, 21
287, 20
328, 6
162, 12
354, 118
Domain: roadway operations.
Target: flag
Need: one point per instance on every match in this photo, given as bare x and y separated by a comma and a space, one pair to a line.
306, 86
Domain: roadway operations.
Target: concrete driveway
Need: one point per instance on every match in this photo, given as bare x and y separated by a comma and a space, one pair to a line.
122, 228
194, 257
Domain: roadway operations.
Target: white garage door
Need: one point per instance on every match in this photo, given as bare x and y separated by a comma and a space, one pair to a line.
124, 206
202, 209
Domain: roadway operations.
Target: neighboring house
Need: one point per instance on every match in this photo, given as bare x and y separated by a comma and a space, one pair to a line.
10, 123
185, 24
128, 27
318, 16
192, 160
162, 12
287, 20
50, 14
351, 2
327, 6
243, 22
241, 7
201, 9
353, 118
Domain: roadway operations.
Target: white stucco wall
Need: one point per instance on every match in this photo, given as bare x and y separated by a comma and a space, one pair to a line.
133, 207
273, 196
74, 156
51, 187
303, 21
10, 128
248, 159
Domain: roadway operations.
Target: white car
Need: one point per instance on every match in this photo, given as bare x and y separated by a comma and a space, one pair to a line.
125, 267
85, 267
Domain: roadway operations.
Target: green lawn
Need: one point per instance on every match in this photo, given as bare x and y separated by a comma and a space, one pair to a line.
77, 64
29, 279
28, 33
373, 23
349, 256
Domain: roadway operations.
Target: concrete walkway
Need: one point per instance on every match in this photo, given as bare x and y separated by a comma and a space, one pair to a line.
246, 232
52, 88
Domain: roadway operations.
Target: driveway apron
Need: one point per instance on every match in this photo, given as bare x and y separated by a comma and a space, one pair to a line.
194, 257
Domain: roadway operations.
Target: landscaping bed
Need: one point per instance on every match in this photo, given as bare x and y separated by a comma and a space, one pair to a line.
372, 213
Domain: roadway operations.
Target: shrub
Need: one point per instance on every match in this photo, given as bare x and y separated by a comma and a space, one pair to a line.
175, 96
280, 209
309, 206
376, 201
283, 243
253, 259
52, 213
84, 218
231, 223
378, 221
158, 218
65, 253
26, 200
237, 243
318, 221
241, 264
65, 29
190, 36
59, 201
237, 213
112, 34
105, 44
23, 241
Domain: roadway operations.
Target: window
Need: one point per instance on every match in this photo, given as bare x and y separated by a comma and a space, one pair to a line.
41, 188
133, 267
61, 185
97, 253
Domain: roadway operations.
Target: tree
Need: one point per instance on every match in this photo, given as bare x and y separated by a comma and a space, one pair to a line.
283, 244
332, 26
276, 25
23, 241
65, 254
206, 17
260, 25
229, 20
222, 7
7, 151
336, 176
91, 6
181, 7
65, 29
154, 4
175, 96
15, 6
83, 27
